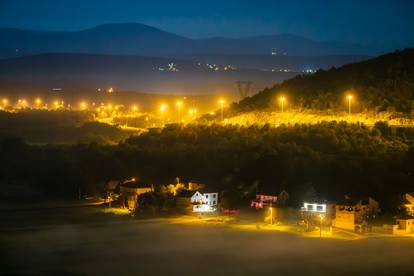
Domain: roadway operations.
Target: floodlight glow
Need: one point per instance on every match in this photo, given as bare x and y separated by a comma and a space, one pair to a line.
314, 208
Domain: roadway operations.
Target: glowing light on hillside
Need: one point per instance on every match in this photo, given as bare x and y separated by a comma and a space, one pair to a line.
5, 102
38, 101
83, 105
134, 108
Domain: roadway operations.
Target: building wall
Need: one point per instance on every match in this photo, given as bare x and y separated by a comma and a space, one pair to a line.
345, 220
211, 199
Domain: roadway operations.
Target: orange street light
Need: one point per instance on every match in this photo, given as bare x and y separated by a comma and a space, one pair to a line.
83, 105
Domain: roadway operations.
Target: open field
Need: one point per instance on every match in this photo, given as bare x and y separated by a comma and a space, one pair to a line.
86, 241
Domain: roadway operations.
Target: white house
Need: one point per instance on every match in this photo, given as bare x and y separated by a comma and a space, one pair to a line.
206, 202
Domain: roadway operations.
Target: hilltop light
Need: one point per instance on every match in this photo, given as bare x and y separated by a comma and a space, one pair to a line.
38, 101
5, 101
83, 105
134, 108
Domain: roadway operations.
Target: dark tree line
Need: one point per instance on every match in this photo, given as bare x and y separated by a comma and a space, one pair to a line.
331, 159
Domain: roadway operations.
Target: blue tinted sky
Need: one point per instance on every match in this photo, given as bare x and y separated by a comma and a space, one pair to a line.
363, 21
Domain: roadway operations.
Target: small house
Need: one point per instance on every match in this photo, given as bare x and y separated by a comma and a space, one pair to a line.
408, 203
262, 200
130, 190
354, 214
204, 202
269, 197
406, 224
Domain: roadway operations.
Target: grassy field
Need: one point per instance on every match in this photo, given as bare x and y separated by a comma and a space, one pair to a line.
92, 241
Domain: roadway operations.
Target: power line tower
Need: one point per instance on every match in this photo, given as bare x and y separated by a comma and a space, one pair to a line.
244, 88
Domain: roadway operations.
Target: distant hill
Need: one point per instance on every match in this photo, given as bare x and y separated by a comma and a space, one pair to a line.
385, 82
139, 39
266, 62
81, 73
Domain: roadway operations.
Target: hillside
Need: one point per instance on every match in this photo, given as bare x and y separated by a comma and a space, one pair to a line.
79, 73
139, 39
385, 82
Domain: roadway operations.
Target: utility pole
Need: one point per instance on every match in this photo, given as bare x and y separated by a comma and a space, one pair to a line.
244, 88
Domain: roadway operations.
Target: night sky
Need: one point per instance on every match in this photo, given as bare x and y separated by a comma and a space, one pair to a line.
369, 21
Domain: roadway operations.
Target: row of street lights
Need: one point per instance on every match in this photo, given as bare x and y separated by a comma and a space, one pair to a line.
283, 100
192, 112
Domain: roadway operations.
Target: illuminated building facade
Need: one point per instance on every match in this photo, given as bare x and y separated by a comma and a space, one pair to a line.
204, 202
263, 200
354, 214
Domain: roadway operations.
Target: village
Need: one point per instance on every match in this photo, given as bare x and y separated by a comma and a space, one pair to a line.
349, 217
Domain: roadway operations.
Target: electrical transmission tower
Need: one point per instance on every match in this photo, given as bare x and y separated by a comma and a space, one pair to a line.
244, 88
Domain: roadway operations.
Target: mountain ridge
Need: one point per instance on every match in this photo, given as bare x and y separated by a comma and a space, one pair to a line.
141, 39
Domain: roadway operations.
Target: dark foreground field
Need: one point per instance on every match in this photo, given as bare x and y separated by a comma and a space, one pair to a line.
80, 242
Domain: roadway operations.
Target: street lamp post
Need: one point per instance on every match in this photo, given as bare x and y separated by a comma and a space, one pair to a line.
179, 104
163, 107
271, 215
222, 109
320, 225
282, 100
349, 104
38, 101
